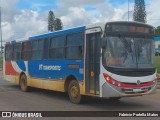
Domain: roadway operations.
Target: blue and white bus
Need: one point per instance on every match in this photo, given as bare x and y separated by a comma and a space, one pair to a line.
109, 60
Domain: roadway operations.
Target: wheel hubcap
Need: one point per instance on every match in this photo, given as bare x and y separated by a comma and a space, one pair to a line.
74, 92
23, 84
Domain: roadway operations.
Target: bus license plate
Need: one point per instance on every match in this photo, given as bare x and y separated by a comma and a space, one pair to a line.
136, 90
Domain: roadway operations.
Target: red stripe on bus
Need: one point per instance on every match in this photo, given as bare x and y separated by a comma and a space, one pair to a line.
9, 70
127, 85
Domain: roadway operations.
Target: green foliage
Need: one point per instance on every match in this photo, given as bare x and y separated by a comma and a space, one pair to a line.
139, 11
1, 63
58, 24
157, 31
54, 24
51, 19
158, 64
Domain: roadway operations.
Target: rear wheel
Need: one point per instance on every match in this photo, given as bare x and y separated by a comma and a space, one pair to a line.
74, 92
23, 83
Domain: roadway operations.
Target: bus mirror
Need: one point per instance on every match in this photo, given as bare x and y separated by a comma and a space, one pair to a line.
103, 43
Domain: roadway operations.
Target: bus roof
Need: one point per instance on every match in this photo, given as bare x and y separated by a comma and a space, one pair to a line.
131, 22
82, 28
76, 29
102, 24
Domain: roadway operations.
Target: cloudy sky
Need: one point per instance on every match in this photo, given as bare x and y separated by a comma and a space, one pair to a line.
23, 18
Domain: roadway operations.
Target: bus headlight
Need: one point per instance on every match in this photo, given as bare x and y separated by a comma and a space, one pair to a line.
119, 84
110, 80
154, 81
113, 82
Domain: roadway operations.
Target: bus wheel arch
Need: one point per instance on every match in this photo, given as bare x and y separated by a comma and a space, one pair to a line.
23, 82
67, 81
73, 89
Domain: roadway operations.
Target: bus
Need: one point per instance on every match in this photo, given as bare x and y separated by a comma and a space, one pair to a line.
108, 60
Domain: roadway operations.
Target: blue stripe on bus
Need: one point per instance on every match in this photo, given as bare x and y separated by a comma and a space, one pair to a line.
58, 33
55, 69
21, 65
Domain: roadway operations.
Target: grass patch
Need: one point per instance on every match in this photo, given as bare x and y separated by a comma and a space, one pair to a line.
158, 64
1, 63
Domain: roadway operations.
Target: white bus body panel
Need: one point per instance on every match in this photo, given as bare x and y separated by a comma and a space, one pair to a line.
107, 90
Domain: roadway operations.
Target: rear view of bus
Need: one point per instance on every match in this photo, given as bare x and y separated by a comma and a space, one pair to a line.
128, 65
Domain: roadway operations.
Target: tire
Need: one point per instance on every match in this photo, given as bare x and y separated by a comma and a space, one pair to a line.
74, 92
23, 83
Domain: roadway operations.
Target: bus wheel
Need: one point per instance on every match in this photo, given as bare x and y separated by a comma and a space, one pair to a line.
74, 92
23, 83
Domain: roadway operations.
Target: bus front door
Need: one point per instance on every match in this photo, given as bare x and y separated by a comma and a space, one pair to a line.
92, 63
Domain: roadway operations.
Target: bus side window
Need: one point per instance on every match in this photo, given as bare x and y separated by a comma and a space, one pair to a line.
46, 49
56, 50
74, 48
37, 49
26, 50
16, 51
8, 52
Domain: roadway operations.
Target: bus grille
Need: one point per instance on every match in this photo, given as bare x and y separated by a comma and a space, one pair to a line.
131, 90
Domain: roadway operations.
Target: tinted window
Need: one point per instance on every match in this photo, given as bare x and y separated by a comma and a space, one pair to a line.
74, 48
46, 50
26, 50
17, 51
8, 52
75, 39
57, 48
35, 45
37, 49
74, 52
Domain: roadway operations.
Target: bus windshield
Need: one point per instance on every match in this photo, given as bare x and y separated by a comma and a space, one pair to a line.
129, 52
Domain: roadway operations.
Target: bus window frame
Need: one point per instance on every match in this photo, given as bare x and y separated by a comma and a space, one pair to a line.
57, 47
15, 51
38, 49
82, 45
25, 51
10, 59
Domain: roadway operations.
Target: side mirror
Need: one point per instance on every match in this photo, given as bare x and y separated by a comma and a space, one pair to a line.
103, 43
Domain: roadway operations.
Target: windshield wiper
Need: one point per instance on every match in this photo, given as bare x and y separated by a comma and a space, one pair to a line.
127, 45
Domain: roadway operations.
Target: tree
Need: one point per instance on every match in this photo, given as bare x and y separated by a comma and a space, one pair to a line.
157, 31
139, 11
58, 24
51, 19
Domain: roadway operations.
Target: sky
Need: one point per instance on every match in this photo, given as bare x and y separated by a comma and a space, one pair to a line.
24, 18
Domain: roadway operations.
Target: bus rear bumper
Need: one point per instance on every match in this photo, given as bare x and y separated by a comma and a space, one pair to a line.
112, 91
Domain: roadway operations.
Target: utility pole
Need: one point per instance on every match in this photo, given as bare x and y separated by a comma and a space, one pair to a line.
128, 10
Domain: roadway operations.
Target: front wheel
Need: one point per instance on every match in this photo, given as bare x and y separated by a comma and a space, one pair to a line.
74, 92
23, 83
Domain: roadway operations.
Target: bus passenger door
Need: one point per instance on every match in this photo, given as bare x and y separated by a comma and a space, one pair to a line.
92, 63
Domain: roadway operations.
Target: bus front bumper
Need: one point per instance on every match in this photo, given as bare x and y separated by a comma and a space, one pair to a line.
112, 91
